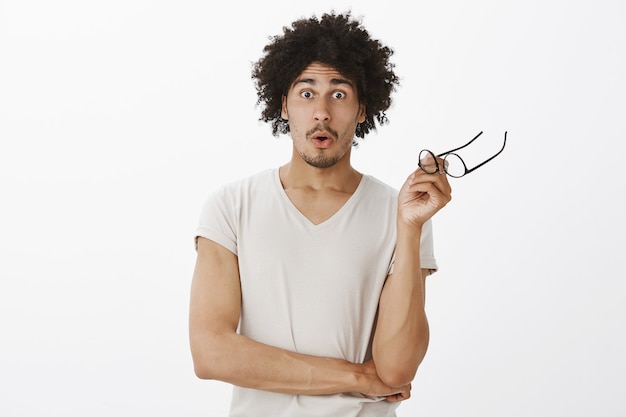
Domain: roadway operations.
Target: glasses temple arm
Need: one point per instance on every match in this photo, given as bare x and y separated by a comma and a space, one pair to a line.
461, 147
483, 163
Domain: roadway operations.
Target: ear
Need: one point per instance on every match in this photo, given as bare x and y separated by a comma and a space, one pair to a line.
283, 113
361, 116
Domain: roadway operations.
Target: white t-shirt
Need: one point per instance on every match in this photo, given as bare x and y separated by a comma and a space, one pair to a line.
308, 288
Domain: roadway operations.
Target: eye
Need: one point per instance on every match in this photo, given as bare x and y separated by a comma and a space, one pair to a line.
339, 94
306, 94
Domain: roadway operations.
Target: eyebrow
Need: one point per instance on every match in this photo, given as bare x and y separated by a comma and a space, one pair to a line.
333, 81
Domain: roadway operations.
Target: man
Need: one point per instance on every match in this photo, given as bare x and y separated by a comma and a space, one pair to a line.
308, 292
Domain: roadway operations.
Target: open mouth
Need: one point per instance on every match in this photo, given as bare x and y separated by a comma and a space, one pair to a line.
322, 140
322, 136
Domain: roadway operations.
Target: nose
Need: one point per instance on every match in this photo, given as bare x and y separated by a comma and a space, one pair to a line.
321, 113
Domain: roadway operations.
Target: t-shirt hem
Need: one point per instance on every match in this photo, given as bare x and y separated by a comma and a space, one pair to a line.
429, 263
217, 237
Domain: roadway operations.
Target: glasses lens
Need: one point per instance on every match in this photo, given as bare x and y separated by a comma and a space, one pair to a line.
455, 167
428, 162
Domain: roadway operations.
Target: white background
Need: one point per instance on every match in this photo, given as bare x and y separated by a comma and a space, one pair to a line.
118, 117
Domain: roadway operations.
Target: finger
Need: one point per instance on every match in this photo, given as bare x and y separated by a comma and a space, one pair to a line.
428, 163
435, 189
431, 165
443, 165
401, 396
440, 181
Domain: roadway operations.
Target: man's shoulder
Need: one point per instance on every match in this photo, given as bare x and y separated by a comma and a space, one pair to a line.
253, 181
377, 187
235, 192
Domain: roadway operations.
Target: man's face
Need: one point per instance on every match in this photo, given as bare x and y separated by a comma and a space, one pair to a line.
323, 110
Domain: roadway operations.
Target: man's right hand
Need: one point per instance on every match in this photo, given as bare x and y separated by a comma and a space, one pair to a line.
377, 388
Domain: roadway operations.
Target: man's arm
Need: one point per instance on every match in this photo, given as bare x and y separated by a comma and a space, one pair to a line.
402, 333
219, 352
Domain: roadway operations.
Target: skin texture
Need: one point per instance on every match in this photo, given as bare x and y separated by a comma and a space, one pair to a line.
319, 178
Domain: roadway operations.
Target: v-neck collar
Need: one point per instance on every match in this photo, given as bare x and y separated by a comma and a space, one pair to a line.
304, 220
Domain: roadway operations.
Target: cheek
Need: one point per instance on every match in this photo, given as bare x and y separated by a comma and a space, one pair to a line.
294, 130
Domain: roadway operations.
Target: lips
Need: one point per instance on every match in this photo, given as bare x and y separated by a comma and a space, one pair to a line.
323, 135
322, 139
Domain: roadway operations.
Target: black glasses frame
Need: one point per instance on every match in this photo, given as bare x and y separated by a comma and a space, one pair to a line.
453, 152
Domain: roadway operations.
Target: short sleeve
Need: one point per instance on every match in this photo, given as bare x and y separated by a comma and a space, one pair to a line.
218, 219
427, 248
427, 251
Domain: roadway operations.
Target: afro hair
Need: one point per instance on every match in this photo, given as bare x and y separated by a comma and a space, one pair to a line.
336, 40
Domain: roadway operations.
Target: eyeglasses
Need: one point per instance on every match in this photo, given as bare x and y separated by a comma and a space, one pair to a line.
453, 164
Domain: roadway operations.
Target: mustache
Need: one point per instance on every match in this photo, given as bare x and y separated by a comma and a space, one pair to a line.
322, 128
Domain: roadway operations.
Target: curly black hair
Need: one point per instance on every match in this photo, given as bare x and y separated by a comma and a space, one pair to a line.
336, 40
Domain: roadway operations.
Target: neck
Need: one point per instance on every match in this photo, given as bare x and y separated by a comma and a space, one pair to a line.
299, 174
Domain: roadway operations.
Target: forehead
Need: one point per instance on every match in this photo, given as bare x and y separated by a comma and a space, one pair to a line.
320, 73
317, 68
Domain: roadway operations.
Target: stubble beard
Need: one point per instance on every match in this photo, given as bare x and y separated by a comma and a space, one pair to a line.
321, 160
